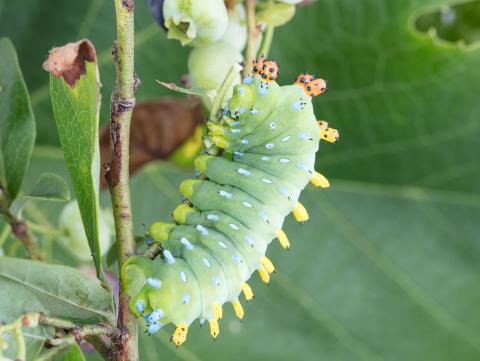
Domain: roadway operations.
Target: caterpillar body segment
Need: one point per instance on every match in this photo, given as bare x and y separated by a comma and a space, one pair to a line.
269, 136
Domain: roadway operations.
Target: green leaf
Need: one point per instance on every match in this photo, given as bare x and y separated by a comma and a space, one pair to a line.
404, 103
74, 354
50, 186
210, 93
59, 291
17, 123
75, 106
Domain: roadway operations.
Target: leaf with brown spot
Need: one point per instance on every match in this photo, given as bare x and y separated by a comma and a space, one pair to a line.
69, 60
74, 89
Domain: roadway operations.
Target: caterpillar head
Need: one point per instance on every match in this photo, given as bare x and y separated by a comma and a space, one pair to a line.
315, 87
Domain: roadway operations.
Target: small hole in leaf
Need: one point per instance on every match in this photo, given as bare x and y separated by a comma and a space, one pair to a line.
455, 23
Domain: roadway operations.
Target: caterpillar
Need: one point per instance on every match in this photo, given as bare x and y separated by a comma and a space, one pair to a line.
268, 136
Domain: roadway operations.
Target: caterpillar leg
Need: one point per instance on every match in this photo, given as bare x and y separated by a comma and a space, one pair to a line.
283, 239
247, 291
238, 308
217, 311
214, 329
300, 213
180, 334
267, 264
319, 180
264, 275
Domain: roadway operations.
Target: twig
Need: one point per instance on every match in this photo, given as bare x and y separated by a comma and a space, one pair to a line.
122, 103
21, 231
251, 39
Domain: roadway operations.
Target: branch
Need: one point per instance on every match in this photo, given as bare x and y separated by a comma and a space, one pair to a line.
21, 231
251, 39
122, 103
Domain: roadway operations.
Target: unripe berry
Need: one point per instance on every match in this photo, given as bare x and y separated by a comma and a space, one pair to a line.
70, 223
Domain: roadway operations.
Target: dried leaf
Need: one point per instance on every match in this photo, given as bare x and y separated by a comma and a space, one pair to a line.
158, 128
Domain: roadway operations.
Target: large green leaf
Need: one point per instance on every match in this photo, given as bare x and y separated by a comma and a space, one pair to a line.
59, 291
17, 124
405, 103
75, 106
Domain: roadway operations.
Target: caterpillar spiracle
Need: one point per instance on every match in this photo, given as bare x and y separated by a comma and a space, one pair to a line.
268, 135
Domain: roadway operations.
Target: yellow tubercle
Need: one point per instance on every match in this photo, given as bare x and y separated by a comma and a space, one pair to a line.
264, 275
319, 180
238, 308
180, 334
214, 329
160, 231
267, 264
247, 291
215, 129
220, 141
181, 213
330, 135
283, 239
201, 161
300, 213
187, 187
217, 311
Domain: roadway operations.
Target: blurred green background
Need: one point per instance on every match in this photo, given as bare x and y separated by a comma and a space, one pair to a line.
388, 266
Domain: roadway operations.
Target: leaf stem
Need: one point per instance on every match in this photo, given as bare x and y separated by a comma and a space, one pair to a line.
44, 229
251, 38
266, 41
224, 88
122, 103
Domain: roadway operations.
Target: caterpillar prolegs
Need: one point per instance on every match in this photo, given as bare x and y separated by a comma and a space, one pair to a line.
268, 135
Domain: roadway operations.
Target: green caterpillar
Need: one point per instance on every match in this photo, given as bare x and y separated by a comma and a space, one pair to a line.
269, 136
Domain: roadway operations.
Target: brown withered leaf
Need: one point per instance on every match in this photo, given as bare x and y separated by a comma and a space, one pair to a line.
158, 128
69, 60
